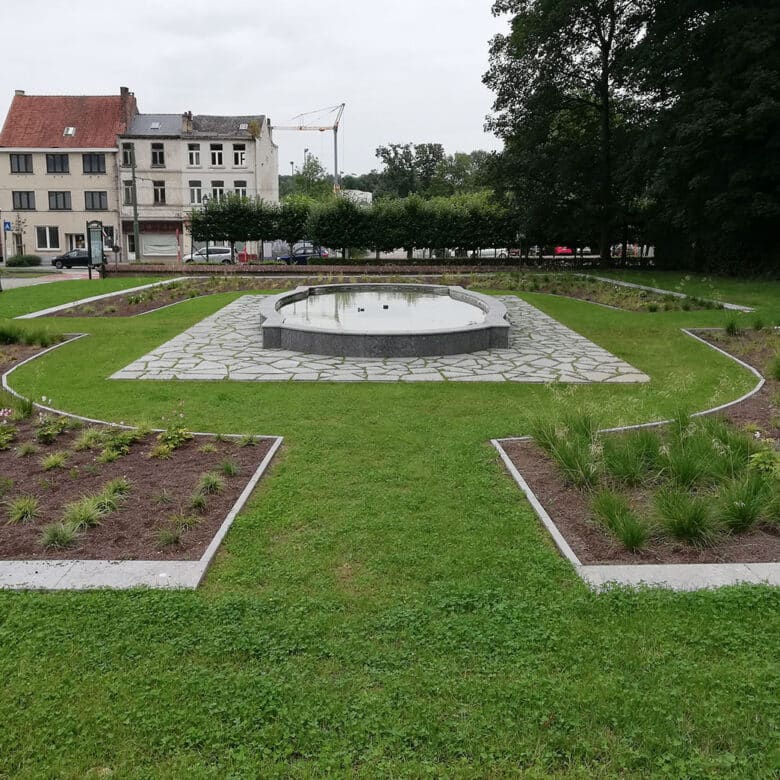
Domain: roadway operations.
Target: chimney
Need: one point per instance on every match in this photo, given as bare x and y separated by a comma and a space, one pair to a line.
18, 92
129, 107
186, 121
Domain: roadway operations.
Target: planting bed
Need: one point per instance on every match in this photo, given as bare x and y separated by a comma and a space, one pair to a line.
158, 508
558, 284
723, 465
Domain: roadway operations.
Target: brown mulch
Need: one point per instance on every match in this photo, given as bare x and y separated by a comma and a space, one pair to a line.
757, 349
569, 507
592, 544
159, 489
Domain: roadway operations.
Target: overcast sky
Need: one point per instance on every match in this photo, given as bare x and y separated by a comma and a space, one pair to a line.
408, 70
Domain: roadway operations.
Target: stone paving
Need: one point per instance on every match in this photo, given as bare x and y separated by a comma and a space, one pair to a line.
228, 345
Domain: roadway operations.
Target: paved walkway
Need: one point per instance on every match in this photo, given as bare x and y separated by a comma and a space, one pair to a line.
228, 345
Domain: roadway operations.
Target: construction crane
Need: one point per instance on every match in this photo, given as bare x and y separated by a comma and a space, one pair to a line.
302, 125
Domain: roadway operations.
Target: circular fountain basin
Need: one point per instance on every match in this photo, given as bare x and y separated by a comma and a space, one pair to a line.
384, 320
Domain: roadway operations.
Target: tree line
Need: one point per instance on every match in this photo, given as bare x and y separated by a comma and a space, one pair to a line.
655, 121
465, 222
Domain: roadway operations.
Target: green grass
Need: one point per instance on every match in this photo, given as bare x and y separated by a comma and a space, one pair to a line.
388, 604
25, 300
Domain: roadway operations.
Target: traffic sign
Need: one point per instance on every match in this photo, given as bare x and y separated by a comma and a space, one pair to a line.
6, 226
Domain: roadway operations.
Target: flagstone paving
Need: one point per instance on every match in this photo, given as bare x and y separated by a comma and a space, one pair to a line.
228, 345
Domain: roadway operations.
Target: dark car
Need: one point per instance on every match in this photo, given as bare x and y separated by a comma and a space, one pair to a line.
302, 253
74, 257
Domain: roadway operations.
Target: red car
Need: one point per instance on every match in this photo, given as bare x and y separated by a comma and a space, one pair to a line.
563, 250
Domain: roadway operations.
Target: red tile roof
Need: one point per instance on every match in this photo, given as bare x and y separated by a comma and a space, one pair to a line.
39, 121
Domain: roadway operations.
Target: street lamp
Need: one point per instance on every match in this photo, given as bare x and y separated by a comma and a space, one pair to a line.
292, 168
204, 200
305, 152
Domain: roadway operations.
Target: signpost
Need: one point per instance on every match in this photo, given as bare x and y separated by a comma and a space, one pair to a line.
95, 244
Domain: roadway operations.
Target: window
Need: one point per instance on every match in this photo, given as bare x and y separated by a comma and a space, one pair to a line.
108, 235
193, 151
94, 163
127, 155
96, 201
47, 237
239, 154
158, 155
131, 243
240, 188
216, 154
70, 131
244, 126
196, 193
21, 163
59, 201
57, 163
218, 190
159, 193
155, 126
24, 201
127, 191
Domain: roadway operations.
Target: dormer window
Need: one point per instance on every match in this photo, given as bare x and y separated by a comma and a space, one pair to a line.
70, 131
244, 126
155, 125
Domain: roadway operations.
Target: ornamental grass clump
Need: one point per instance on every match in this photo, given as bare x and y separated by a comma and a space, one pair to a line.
87, 512
210, 483
23, 509
632, 458
88, 439
228, 468
613, 510
55, 460
744, 502
687, 517
58, 535
169, 536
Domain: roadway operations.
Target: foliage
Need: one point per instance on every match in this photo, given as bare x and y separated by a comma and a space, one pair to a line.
23, 261
23, 509
210, 483
49, 427
54, 460
58, 535
614, 511
228, 468
743, 501
11, 333
686, 516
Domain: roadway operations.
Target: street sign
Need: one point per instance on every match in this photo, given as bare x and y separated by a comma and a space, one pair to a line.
7, 226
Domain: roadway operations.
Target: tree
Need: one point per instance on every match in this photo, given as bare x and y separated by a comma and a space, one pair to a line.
567, 55
710, 73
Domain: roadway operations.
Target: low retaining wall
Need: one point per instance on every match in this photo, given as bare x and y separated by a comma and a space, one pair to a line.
240, 269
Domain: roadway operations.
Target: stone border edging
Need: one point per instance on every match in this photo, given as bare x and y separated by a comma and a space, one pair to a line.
661, 291
675, 576
62, 307
74, 574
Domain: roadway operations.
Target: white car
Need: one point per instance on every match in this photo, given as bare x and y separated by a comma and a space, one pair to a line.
216, 254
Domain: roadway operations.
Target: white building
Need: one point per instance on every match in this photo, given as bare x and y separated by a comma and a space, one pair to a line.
179, 160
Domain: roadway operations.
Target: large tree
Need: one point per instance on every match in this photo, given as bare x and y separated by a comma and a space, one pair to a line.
563, 65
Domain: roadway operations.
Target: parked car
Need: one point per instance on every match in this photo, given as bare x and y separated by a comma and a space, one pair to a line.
563, 250
74, 257
494, 253
302, 253
216, 254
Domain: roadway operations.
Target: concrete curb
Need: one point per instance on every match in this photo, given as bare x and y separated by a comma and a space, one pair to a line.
660, 291
62, 307
674, 576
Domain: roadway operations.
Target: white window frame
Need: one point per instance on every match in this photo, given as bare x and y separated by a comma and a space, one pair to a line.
216, 155
239, 155
218, 190
193, 155
240, 187
196, 191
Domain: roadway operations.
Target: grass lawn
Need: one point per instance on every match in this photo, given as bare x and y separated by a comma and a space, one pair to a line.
25, 300
764, 294
388, 604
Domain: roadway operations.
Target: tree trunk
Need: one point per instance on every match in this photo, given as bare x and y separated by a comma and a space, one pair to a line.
605, 143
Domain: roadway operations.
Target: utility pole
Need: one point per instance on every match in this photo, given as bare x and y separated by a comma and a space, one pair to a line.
136, 232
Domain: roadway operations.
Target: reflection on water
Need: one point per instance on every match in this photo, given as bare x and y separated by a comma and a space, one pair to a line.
379, 311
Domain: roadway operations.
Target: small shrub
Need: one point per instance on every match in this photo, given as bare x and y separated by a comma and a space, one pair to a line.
25, 449
732, 327
652, 307
120, 487
174, 436
87, 512
107, 503
247, 441
88, 439
198, 502
743, 502
24, 408
162, 451
184, 522
6, 485
56, 460
578, 462
164, 498
758, 324
228, 468
49, 428
23, 261
169, 536
109, 455
766, 461
23, 509
630, 458
613, 510
7, 435
686, 517
58, 535
210, 483
208, 449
